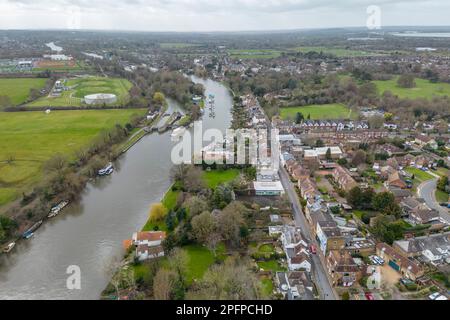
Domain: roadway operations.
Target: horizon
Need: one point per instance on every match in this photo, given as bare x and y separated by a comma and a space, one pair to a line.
216, 16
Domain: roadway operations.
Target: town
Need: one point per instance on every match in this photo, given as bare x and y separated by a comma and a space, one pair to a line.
351, 202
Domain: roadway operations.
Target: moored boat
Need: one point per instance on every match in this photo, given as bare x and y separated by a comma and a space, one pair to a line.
9, 247
30, 232
57, 209
107, 170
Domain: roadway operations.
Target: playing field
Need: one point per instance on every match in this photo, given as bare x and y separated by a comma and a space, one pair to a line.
254, 53
317, 112
28, 139
81, 87
18, 89
423, 89
338, 52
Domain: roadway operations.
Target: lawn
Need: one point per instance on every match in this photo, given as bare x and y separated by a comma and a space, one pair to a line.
423, 89
170, 199
441, 196
200, 259
266, 248
267, 286
215, 177
31, 138
254, 53
270, 265
419, 175
18, 89
81, 87
317, 112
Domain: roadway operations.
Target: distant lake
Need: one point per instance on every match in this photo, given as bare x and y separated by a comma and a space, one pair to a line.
54, 47
422, 34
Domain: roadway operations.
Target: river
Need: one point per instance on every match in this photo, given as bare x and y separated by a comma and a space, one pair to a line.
89, 234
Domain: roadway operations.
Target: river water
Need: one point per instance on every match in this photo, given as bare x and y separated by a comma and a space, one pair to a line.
89, 234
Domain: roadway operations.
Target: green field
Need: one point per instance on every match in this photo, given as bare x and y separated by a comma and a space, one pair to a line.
423, 89
318, 112
200, 259
18, 89
81, 87
31, 138
338, 52
419, 175
254, 53
215, 177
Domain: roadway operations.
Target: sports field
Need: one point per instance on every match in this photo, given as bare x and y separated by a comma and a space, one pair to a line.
338, 52
333, 111
81, 87
31, 138
423, 89
254, 53
18, 89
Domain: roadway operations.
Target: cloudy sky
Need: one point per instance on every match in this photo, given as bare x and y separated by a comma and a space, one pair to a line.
215, 15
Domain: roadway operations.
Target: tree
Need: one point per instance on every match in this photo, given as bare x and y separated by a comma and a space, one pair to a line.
163, 284
232, 280
359, 158
230, 221
376, 122
299, 118
203, 225
195, 205
193, 180
178, 263
222, 196
56, 163
159, 98
383, 200
442, 183
157, 212
320, 143
328, 154
406, 81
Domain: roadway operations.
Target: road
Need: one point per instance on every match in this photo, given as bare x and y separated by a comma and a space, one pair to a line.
426, 190
318, 264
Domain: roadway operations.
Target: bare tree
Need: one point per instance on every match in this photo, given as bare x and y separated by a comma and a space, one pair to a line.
163, 284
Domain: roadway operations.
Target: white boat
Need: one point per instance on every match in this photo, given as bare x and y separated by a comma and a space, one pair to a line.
9, 247
57, 209
178, 132
106, 171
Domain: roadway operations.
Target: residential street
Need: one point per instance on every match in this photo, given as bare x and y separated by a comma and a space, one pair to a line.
320, 275
426, 190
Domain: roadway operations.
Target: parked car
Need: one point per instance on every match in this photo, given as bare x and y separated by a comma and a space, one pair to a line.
369, 296
313, 249
433, 296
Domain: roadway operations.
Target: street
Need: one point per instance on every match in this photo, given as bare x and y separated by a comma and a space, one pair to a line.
318, 264
426, 190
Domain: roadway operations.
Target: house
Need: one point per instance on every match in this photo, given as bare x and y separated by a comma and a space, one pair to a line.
148, 244
344, 179
308, 188
296, 249
395, 181
268, 188
434, 248
409, 204
295, 285
329, 236
424, 140
399, 262
422, 215
342, 268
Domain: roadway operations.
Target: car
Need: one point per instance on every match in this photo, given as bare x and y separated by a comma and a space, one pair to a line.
441, 298
369, 296
312, 249
433, 296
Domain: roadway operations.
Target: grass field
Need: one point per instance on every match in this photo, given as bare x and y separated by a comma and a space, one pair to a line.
419, 175
338, 52
271, 265
215, 177
31, 138
254, 53
423, 89
18, 89
317, 112
85, 86
200, 259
